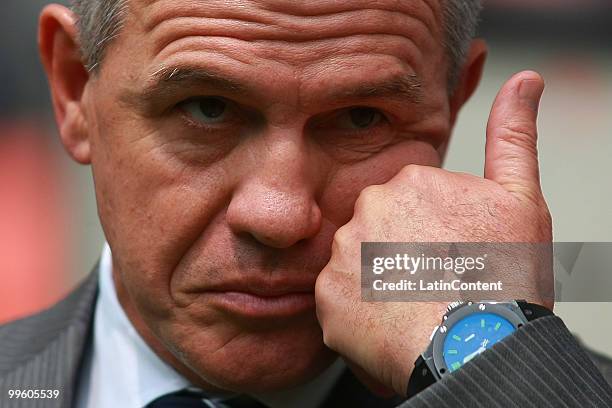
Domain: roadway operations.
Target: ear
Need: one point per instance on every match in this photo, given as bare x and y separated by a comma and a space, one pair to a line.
469, 77
60, 54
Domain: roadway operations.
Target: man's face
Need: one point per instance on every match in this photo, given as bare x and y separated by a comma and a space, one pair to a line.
229, 141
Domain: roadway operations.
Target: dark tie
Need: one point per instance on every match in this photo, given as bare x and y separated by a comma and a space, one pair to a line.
196, 399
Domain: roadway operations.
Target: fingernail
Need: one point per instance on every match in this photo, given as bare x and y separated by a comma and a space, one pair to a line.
530, 92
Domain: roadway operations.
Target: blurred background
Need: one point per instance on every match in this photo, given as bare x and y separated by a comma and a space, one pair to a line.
50, 237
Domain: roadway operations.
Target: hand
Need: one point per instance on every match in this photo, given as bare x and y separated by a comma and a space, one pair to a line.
425, 204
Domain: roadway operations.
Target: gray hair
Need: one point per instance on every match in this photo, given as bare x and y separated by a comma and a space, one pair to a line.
100, 21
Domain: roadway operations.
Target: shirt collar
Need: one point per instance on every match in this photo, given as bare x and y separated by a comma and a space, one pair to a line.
125, 371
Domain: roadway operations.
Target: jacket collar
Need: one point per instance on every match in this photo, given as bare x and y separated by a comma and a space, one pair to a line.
45, 351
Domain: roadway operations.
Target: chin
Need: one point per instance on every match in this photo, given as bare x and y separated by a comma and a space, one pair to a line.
257, 362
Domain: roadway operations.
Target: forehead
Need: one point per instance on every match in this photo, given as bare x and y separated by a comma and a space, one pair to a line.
289, 29
274, 43
294, 20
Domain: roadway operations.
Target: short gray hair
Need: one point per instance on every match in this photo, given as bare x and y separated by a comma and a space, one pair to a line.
461, 22
100, 21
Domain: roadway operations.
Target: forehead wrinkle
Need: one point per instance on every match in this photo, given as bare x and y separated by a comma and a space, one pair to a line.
171, 22
329, 52
189, 39
325, 7
289, 8
291, 28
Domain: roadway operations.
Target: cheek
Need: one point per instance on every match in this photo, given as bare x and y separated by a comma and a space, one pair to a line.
349, 180
153, 208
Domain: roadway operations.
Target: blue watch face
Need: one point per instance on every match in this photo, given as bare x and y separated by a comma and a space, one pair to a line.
471, 336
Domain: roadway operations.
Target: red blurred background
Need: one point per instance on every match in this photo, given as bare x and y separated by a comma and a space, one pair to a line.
33, 237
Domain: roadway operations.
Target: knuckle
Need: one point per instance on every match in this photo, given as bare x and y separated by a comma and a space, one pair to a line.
328, 338
341, 237
370, 191
519, 134
322, 293
322, 284
412, 172
326, 280
368, 197
325, 314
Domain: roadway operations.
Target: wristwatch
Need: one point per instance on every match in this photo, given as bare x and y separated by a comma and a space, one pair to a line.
468, 329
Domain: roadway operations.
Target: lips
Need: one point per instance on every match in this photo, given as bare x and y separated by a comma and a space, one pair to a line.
259, 299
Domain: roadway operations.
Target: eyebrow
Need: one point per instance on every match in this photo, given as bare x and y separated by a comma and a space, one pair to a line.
168, 81
404, 86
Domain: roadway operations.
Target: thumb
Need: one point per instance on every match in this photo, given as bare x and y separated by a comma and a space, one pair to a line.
511, 156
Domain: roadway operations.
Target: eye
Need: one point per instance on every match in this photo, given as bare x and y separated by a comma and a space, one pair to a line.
362, 118
208, 110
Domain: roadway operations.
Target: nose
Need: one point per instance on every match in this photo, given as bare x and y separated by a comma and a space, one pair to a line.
276, 204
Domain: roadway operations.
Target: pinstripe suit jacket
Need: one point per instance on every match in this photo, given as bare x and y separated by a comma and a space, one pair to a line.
541, 365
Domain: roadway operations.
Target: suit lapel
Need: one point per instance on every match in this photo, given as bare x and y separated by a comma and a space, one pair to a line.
45, 351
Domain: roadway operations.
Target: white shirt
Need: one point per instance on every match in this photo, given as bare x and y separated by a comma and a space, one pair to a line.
121, 370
